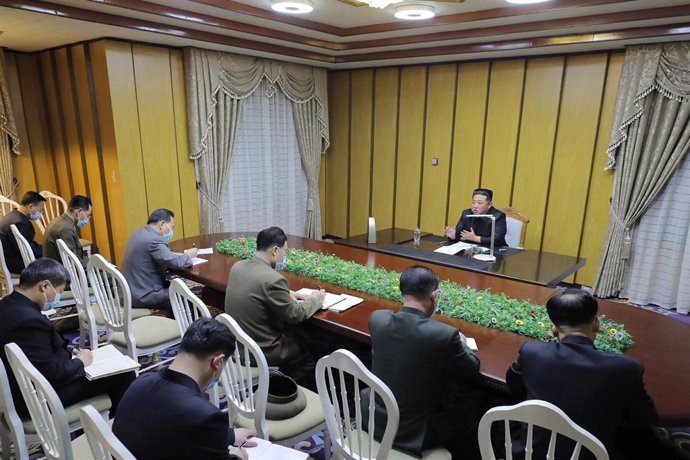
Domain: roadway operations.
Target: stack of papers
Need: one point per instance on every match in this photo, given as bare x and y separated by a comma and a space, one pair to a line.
454, 248
335, 302
108, 361
265, 450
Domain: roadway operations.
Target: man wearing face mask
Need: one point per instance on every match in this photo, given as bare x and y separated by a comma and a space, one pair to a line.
65, 227
30, 209
421, 359
168, 415
21, 322
147, 258
259, 299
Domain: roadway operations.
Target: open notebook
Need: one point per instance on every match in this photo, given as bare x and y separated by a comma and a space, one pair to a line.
335, 302
454, 248
108, 361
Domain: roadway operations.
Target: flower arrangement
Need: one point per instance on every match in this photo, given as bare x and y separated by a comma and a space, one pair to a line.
479, 307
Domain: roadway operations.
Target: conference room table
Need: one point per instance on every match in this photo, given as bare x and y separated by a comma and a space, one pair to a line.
662, 344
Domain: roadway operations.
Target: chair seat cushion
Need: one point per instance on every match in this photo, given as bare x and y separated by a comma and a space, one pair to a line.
428, 454
136, 313
310, 418
101, 403
81, 448
149, 331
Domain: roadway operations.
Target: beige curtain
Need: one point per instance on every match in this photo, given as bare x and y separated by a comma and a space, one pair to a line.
212, 79
9, 140
650, 136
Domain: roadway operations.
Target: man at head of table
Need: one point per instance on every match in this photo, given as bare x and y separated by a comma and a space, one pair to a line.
478, 230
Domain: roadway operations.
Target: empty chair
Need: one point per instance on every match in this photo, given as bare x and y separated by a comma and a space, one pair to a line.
147, 335
54, 207
8, 280
7, 205
352, 436
52, 422
247, 401
540, 414
104, 444
516, 227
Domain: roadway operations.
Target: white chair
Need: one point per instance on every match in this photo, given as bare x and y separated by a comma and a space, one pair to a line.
147, 335
54, 207
333, 373
11, 429
516, 226
541, 414
24, 246
247, 401
7, 205
52, 422
104, 444
9, 280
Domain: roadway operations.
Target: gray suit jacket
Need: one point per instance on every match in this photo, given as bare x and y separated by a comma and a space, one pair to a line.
417, 357
147, 258
62, 227
258, 298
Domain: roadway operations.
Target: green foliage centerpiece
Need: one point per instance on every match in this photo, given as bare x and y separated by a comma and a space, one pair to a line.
479, 307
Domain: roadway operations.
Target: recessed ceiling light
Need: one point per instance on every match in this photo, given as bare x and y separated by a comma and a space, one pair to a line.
525, 2
414, 12
293, 6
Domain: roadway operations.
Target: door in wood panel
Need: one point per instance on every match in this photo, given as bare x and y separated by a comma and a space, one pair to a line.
384, 146
361, 98
502, 127
410, 145
601, 183
337, 157
537, 138
437, 145
575, 141
468, 137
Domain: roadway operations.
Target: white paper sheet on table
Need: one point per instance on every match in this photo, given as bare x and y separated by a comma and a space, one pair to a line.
198, 260
454, 248
204, 251
265, 450
335, 302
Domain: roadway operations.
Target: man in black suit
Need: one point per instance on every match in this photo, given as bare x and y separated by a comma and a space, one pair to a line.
419, 359
478, 229
21, 322
30, 209
168, 415
601, 392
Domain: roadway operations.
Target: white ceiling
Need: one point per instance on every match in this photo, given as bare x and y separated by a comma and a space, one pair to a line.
338, 35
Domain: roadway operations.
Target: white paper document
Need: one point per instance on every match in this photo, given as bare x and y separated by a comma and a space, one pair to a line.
335, 302
204, 251
454, 248
198, 260
471, 343
107, 361
266, 450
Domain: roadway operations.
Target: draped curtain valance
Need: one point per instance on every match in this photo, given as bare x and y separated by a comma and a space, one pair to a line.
209, 72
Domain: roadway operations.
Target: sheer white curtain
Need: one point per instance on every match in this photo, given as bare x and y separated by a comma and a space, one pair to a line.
266, 184
659, 270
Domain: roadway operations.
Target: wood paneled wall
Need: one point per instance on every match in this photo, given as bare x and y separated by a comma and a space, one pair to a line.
107, 120
533, 130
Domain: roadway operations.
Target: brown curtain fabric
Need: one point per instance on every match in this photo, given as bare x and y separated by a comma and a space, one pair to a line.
213, 79
9, 140
650, 136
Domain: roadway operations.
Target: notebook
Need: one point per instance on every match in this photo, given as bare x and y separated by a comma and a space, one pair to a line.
108, 361
454, 248
335, 302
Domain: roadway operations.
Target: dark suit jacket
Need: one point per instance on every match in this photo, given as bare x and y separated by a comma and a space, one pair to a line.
599, 391
147, 257
13, 257
415, 356
62, 227
22, 322
482, 227
165, 416
258, 298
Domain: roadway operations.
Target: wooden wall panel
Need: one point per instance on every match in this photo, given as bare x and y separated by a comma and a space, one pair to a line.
361, 98
437, 144
601, 182
410, 144
468, 138
537, 139
384, 146
502, 127
338, 157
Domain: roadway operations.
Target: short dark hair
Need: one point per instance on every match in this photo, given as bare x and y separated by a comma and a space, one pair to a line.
269, 237
206, 337
572, 307
79, 202
161, 214
487, 192
41, 270
418, 281
31, 197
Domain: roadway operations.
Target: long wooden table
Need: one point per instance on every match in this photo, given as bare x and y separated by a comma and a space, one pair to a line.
662, 343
